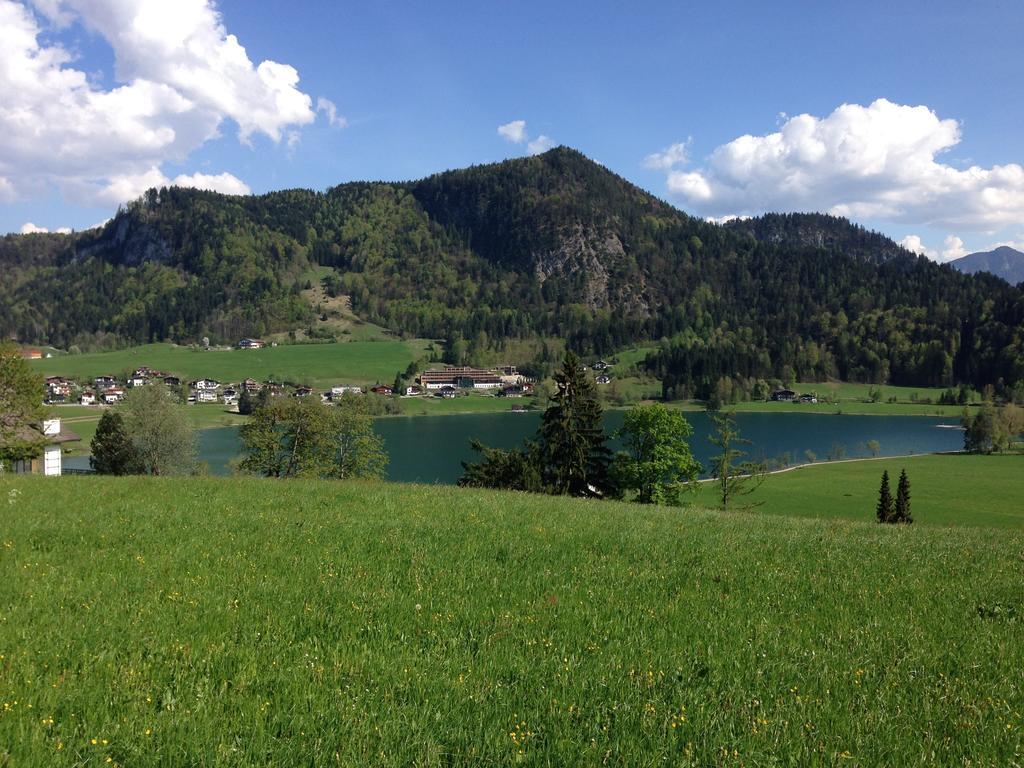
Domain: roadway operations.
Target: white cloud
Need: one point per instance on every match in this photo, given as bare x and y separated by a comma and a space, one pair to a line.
28, 228
952, 248
725, 219
514, 131
181, 73
541, 144
331, 111
875, 162
914, 244
129, 186
669, 157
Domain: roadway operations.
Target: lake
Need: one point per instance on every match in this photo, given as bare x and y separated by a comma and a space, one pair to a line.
430, 449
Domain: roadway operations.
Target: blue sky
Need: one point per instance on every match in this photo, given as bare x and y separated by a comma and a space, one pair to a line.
422, 87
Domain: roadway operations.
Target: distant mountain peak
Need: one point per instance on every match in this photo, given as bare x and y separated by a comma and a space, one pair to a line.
1003, 261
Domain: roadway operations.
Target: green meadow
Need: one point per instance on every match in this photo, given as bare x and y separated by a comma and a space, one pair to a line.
955, 489
320, 365
238, 622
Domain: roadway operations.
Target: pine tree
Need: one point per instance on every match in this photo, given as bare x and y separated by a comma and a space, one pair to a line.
885, 510
903, 500
111, 448
573, 455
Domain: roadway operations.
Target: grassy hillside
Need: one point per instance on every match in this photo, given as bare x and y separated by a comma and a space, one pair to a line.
945, 490
240, 622
356, 362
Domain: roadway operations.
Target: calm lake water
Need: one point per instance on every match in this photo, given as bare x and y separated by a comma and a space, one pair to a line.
429, 449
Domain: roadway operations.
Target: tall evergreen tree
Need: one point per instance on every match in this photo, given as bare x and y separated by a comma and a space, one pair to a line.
245, 402
573, 455
885, 509
903, 500
112, 450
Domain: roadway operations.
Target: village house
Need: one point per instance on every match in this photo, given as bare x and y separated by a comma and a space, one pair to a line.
205, 384
137, 380
104, 382
602, 379
32, 354
229, 396
206, 396
516, 390
58, 389
808, 398
251, 344
447, 392
48, 461
112, 395
346, 389
461, 377
303, 391
251, 386
172, 381
783, 395
413, 391
382, 389
88, 397
601, 365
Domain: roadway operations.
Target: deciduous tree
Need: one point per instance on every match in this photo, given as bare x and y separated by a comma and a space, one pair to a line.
657, 463
302, 438
734, 476
21, 407
161, 433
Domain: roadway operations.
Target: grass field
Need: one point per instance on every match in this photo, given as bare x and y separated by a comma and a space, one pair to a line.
955, 489
320, 365
243, 622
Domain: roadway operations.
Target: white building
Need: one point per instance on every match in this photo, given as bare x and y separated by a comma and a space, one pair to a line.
48, 462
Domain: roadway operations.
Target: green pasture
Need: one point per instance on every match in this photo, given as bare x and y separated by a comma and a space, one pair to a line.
949, 489
238, 622
320, 365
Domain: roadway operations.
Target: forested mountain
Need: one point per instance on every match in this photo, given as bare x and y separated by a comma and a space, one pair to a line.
1004, 262
820, 230
551, 245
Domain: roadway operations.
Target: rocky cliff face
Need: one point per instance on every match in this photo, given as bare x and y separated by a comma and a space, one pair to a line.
129, 240
586, 259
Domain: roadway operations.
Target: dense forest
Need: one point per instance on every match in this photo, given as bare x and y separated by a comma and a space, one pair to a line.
548, 246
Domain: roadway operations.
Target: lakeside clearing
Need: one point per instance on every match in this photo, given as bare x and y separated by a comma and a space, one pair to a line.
243, 622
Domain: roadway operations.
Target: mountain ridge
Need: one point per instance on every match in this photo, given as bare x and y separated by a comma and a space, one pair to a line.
553, 245
1004, 261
